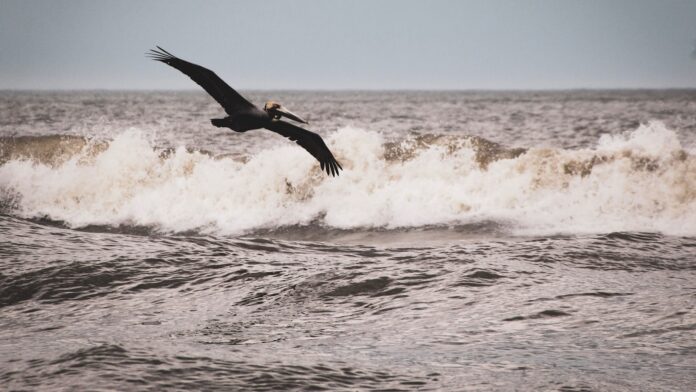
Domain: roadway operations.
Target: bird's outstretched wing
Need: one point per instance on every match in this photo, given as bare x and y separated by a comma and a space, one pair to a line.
230, 100
310, 141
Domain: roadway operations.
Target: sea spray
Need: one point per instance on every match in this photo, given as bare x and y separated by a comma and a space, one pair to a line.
639, 181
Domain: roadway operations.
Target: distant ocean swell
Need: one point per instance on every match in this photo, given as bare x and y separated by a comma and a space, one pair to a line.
642, 180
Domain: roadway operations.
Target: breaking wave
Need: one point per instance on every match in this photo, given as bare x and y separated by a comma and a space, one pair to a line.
638, 181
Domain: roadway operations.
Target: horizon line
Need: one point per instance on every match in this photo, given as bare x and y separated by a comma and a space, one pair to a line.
560, 89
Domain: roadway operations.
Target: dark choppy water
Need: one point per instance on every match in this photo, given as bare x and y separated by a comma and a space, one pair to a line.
475, 241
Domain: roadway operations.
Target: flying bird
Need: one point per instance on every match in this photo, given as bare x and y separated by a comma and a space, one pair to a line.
244, 116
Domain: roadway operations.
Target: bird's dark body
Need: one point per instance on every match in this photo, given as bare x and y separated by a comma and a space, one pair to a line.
245, 121
244, 116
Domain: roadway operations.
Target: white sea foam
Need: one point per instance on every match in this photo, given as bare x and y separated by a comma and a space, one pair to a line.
639, 181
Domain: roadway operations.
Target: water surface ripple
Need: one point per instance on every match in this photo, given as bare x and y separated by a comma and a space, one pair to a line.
475, 241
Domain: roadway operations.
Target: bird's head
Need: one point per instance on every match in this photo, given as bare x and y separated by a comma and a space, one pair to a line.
276, 111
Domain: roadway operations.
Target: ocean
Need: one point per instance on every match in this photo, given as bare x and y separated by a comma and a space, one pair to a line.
475, 240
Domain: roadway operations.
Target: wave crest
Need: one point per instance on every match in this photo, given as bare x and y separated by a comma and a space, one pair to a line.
640, 181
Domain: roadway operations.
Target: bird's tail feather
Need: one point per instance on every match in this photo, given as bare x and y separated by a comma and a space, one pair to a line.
218, 122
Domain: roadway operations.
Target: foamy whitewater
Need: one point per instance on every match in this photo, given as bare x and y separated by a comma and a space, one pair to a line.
641, 180
473, 241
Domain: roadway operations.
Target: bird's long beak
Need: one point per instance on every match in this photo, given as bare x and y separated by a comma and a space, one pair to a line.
285, 112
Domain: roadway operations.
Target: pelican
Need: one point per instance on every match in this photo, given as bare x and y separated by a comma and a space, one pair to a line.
244, 116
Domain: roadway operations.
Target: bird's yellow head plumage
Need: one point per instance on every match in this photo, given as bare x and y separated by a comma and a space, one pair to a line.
276, 111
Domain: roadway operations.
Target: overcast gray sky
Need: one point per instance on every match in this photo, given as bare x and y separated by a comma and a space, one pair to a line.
306, 44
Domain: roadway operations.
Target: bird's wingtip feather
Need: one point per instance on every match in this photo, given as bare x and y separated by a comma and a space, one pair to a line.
160, 48
160, 54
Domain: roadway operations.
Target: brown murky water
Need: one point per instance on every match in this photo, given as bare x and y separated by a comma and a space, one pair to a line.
475, 241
